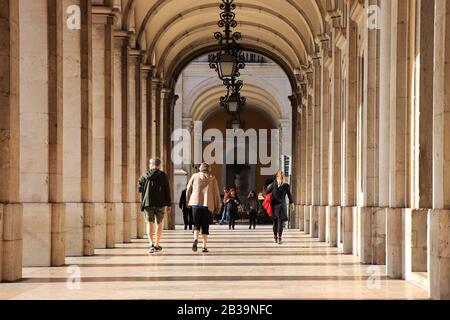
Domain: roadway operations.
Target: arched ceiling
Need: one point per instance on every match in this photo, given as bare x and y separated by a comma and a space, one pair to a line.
207, 102
172, 30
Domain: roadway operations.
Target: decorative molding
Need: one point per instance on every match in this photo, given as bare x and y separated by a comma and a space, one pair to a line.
357, 12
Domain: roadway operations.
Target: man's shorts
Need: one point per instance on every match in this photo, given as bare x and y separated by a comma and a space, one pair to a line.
150, 214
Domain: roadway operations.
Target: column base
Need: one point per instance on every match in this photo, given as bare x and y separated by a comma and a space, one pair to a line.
322, 223
89, 217
140, 222
133, 221
355, 232
110, 226
307, 216
37, 224
314, 221
372, 235
415, 242
379, 236
100, 225
439, 254
118, 213
58, 241
395, 266
127, 222
347, 234
365, 234
340, 228
331, 226
301, 217
74, 229
12, 243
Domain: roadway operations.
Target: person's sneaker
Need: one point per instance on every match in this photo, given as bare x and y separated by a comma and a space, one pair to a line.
205, 250
280, 241
195, 246
249, 228
158, 248
152, 249
275, 240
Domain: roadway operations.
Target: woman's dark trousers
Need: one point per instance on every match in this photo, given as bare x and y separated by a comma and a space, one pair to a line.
253, 218
277, 228
232, 219
188, 219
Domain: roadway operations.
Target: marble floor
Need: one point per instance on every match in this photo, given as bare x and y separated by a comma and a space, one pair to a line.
242, 264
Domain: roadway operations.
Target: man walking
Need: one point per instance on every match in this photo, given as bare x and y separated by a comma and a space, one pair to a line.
187, 212
156, 200
203, 196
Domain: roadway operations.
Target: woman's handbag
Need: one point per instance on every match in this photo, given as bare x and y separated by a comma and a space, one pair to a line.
267, 204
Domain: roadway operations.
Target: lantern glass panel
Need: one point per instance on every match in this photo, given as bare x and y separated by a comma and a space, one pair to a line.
233, 103
227, 65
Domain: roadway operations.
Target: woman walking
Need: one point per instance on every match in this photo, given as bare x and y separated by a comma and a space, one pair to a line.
204, 197
252, 208
279, 189
223, 210
231, 207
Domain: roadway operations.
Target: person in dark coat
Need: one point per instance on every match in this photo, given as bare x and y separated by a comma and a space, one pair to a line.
187, 212
252, 209
232, 206
280, 190
155, 201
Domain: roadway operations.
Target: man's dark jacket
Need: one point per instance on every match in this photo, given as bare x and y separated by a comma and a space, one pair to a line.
183, 202
155, 190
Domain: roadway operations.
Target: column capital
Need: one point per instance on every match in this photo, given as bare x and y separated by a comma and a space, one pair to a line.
296, 99
156, 81
122, 35
101, 14
147, 70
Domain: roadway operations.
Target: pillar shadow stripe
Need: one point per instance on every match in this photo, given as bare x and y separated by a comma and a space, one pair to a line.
262, 254
225, 264
202, 279
231, 247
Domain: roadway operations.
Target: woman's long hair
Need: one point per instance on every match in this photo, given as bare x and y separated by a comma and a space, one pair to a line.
230, 191
280, 178
252, 195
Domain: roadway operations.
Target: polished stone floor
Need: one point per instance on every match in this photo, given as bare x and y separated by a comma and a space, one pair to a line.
242, 264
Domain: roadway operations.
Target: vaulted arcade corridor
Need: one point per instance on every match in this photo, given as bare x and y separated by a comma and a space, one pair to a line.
90, 90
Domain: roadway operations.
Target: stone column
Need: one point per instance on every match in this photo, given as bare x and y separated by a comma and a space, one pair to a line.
309, 157
168, 104
422, 135
371, 223
145, 135
163, 124
398, 137
439, 218
74, 140
421, 139
10, 211
86, 128
110, 153
303, 156
34, 134
156, 101
120, 129
334, 195
324, 137
296, 160
99, 116
379, 233
55, 133
349, 144
134, 102
316, 168
150, 115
